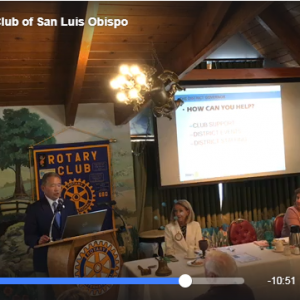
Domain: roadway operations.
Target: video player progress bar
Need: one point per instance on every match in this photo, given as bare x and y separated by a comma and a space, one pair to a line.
184, 280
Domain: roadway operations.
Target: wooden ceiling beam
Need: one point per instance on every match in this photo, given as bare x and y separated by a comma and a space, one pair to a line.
182, 59
84, 46
271, 19
209, 20
207, 25
241, 74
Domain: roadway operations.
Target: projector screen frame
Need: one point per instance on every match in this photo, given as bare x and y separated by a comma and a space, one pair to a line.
211, 83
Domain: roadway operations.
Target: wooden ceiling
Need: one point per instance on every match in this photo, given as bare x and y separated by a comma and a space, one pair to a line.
275, 33
47, 65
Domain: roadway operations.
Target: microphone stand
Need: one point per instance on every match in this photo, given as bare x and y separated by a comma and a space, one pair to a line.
59, 207
128, 236
123, 221
51, 226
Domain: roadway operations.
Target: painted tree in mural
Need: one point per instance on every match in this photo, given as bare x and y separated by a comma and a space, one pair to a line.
19, 129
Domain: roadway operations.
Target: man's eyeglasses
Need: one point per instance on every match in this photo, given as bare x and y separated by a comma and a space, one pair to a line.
55, 185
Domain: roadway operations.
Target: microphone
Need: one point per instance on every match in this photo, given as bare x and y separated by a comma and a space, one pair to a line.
60, 206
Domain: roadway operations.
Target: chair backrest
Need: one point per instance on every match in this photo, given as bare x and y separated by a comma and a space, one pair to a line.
241, 231
278, 224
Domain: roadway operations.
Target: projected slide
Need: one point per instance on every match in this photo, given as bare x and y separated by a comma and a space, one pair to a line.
229, 131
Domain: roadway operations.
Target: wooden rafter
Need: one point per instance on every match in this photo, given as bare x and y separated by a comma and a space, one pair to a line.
84, 45
208, 22
271, 19
238, 15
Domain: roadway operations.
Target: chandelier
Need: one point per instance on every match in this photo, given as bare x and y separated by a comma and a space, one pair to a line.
137, 84
133, 83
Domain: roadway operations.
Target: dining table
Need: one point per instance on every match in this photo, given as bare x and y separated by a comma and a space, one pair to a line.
269, 273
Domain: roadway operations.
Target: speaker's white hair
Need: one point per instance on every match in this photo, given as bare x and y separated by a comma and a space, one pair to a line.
221, 264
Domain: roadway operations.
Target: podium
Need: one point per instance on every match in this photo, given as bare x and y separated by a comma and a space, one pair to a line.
89, 255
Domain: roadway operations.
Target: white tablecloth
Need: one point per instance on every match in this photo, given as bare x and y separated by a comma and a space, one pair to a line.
256, 275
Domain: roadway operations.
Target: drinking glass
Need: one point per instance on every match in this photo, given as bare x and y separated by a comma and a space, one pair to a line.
203, 245
269, 236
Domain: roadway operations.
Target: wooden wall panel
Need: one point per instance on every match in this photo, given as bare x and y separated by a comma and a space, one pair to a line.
16, 78
149, 29
170, 4
138, 38
121, 55
117, 63
19, 63
25, 70
33, 37
31, 7
154, 9
107, 47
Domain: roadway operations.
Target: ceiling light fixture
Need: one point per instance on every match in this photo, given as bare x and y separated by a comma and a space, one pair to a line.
137, 84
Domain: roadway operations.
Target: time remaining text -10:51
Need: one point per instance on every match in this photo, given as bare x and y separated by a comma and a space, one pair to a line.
282, 280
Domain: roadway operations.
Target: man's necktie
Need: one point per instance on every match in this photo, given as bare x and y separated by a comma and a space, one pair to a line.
57, 216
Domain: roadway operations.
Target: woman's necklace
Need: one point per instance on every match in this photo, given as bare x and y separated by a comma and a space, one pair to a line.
180, 235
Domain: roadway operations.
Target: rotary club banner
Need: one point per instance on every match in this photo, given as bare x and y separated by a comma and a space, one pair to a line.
84, 169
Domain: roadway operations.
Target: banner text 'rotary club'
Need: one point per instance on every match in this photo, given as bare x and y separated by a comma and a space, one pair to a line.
81, 160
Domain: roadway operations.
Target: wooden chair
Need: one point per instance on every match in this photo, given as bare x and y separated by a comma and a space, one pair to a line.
278, 224
241, 231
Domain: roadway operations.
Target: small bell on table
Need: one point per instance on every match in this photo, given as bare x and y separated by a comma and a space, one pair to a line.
163, 269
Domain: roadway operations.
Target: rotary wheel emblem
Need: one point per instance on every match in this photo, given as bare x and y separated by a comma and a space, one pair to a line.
97, 259
81, 193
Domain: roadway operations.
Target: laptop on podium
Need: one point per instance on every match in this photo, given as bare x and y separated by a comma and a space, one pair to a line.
84, 224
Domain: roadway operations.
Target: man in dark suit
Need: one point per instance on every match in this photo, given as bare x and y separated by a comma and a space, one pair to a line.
37, 225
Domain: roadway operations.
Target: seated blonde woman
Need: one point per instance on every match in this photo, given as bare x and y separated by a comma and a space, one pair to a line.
292, 215
182, 232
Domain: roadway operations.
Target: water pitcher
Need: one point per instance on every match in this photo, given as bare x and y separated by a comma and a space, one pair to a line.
295, 235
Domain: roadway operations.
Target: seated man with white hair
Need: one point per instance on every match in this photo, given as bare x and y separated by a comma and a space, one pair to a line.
220, 264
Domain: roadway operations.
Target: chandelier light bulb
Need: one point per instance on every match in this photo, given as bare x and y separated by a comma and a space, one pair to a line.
133, 93
132, 84
121, 80
121, 97
141, 79
114, 84
134, 70
124, 69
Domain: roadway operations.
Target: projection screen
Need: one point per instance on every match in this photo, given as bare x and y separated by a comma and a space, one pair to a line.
230, 132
